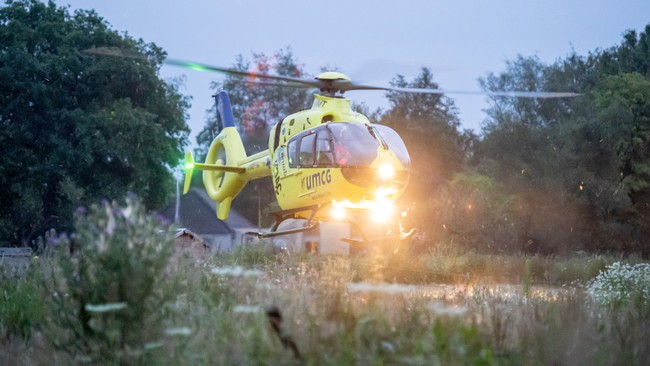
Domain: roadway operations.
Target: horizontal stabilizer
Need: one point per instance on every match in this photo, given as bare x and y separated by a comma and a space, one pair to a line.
221, 168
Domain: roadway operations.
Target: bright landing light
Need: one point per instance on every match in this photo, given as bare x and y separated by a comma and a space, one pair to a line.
382, 211
338, 212
386, 171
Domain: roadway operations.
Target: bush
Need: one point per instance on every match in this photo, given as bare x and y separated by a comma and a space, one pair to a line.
476, 213
21, 307
105, 299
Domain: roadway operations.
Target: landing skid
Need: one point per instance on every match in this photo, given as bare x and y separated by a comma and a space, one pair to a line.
272, 234
285, 215
315, 224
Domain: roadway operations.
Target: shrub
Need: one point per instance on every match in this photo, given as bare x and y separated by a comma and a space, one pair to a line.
21, 307
106, 299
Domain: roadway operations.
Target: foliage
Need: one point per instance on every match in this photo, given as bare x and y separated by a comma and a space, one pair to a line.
473, 210
621, 284
332, 313
623, 103
78, 128
22, 308
106, 299
428, 123
257, 106
579, 166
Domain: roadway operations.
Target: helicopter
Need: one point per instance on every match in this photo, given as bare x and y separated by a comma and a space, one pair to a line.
327, 163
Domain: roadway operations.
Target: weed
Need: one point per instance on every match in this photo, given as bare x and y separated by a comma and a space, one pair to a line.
389, 308
103, 300
21, 308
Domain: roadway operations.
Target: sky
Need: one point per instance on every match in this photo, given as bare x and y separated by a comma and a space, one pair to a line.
371, 41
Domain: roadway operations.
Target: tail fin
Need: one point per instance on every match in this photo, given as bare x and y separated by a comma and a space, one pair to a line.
227, 169
223, 178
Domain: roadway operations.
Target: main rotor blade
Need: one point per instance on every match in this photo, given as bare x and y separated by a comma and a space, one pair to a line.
118, 52
344, 85
331, 85
114, 52
278, 84
515, 94
205, 67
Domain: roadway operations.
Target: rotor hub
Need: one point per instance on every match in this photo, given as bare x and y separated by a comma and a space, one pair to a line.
332, 82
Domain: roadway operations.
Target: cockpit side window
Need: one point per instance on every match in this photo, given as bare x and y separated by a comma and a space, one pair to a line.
324, 153
292, 152
306, 157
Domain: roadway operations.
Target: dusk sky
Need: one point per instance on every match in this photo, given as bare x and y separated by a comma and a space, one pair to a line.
372, 41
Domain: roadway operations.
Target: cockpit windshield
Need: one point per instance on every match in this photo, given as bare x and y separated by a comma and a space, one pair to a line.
354, 145
395, 143
344, 145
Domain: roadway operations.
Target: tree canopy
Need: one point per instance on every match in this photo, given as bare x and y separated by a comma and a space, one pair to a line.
429, 122
256, 106
78, 128
580, 167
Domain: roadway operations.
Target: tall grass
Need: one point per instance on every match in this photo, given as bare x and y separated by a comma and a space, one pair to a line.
442, 308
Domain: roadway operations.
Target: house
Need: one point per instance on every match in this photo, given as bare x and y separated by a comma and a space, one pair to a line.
196, 213
326, 239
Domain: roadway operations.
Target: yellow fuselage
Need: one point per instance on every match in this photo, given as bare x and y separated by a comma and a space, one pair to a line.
325, 157
307, 186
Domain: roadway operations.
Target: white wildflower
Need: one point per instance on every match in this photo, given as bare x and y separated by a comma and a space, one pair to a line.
620, 283
247, 309
236, 271
110, 224
439, 308
387, 346
182, 331
153, 345
391, 288
104, 308
127, 211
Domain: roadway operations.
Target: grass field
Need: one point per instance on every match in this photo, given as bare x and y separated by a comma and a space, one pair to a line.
126, 297
374, 309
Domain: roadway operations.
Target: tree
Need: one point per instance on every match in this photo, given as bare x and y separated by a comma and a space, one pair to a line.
623, 103
78, 128
257, 106
428, 124
580, 167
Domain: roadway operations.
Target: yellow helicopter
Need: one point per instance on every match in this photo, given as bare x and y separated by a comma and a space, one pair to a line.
328, 163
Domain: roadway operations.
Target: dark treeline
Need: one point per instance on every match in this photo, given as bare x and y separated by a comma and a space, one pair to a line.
558, 175
77, 128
